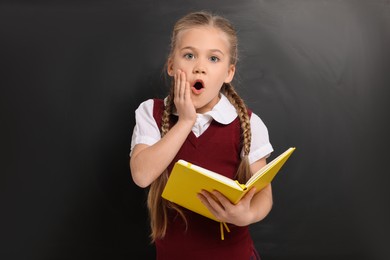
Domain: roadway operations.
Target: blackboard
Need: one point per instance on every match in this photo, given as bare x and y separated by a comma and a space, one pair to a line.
73, 72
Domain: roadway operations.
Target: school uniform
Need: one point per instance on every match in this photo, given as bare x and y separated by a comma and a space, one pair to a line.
213, 143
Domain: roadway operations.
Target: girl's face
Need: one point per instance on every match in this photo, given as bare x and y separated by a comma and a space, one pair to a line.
203, 53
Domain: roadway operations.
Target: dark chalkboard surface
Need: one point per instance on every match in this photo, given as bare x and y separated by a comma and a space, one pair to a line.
73, 72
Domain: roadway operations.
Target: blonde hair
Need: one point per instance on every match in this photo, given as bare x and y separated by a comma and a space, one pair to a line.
158, 207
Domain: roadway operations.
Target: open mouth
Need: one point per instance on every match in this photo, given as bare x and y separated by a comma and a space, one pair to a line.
198, 85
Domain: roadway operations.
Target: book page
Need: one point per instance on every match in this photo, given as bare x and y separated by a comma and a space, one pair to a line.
258, 174
216, 176
274, 163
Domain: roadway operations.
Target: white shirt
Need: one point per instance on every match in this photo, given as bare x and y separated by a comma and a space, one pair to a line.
147, 132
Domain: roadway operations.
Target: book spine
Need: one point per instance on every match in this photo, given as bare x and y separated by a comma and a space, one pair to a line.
242, 186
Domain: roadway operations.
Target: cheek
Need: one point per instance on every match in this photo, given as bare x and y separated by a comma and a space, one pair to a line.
174, 67
180, 65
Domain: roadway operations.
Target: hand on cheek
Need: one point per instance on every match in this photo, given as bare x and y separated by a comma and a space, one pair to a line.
182, 97
180, 85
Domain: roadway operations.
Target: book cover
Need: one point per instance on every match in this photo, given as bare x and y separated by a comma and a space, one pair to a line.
187, 180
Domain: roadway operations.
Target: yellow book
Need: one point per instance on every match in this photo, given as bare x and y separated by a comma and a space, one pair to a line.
187, 180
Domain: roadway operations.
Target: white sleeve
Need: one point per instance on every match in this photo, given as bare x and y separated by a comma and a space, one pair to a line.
260, 145
145, 130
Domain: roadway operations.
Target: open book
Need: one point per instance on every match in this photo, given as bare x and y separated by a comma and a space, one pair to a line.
187, 180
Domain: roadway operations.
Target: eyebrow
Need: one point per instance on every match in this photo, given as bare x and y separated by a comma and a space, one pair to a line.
211, 50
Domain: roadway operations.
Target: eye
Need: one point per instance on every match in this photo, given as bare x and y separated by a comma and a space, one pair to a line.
189, 56
214, 59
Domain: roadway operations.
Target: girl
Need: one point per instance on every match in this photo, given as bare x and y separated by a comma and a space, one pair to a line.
202, 120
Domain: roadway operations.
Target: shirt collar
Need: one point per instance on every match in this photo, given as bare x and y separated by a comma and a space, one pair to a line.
223, 112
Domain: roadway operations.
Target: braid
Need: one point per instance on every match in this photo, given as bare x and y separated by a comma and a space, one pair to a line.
166, 114
242, 112
243, 172
157, 206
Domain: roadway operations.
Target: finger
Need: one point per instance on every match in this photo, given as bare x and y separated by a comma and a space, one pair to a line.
221, 198
182, 84
207, 204
187, 94
176, 86
205, 199
212, 200
249, 195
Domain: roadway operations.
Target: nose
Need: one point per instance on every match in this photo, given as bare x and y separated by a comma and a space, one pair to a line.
199, 69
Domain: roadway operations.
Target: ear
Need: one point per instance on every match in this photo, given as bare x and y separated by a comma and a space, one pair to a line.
231, 71
170, 70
